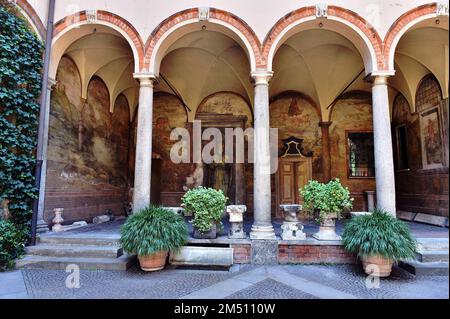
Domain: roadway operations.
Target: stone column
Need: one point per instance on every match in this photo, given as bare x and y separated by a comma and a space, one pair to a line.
384, 160
326, 151
262, 225
143, 166
41, 225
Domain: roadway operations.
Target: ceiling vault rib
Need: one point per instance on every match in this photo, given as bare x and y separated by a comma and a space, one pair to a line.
345, 89
175, 91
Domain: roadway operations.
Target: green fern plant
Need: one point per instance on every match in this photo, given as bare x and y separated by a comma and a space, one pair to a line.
152, 230
379, 234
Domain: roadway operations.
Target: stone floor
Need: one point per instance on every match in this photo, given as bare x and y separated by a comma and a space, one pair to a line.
240, 282
112, 229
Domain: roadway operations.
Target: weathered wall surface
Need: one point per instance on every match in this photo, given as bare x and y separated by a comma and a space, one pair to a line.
353, 112
88, 149
420, 189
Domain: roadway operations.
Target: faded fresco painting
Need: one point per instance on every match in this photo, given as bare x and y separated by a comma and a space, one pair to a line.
296, 115
227, 103
431, 139
401, 115
168, 113
352, 112
88, 146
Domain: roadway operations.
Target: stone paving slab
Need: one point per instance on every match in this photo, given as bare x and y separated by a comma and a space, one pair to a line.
242, 282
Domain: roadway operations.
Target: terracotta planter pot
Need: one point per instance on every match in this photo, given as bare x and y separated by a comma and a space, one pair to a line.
377, 265
154, 262
212, 234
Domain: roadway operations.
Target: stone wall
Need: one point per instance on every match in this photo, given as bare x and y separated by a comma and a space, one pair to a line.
88, 149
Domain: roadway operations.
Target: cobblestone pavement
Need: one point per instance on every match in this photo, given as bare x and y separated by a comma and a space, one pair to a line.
246, 281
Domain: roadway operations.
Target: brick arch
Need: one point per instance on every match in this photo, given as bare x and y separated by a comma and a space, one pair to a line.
349, 18
224, 18
401, 26
109, 19
32, 17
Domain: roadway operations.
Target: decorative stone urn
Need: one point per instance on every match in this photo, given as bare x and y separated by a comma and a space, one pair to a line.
327, 229
292, 228
236, 213
58, 220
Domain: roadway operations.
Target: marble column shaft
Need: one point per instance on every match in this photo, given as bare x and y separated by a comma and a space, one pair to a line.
262, 226
384, 160
143, 166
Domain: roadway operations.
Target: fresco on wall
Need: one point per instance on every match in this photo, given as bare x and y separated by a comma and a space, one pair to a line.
431, 138
353, 112
226, 103
401, 115
88, 146
295, 115
168, 113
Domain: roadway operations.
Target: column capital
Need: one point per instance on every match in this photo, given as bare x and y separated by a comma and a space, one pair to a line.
261, 77
325, 124
379, 77
145, 79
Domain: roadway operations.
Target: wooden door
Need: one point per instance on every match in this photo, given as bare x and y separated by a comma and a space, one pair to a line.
293, 173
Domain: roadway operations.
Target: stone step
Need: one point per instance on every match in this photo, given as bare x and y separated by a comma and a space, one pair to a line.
77, 251
425, 268
80, 240
60, 263
432, 256
432, 244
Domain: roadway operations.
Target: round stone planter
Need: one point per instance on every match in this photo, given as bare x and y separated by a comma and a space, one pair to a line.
377, 265
212, 234
154, 262
327, 229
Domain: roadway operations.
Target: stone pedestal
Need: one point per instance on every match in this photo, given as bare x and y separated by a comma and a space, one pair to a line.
292, 228
264, 252
236, 213
58, 220
327, 230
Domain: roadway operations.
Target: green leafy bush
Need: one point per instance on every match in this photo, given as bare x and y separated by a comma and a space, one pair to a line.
11, 244
207, 205
20, 86
330, 198
379, 234
153, 229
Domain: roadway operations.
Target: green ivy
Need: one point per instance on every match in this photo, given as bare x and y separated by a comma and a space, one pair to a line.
20, 86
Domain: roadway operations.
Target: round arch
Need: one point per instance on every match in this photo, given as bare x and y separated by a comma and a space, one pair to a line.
301, 94
404, 23
32, 17
184, 22
345, 22
63, 38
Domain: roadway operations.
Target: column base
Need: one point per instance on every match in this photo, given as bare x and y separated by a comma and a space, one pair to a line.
42, 226
265, 232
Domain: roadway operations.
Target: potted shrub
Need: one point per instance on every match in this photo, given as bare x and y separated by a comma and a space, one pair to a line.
326, 202
208, 207
151, 234
379, 239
